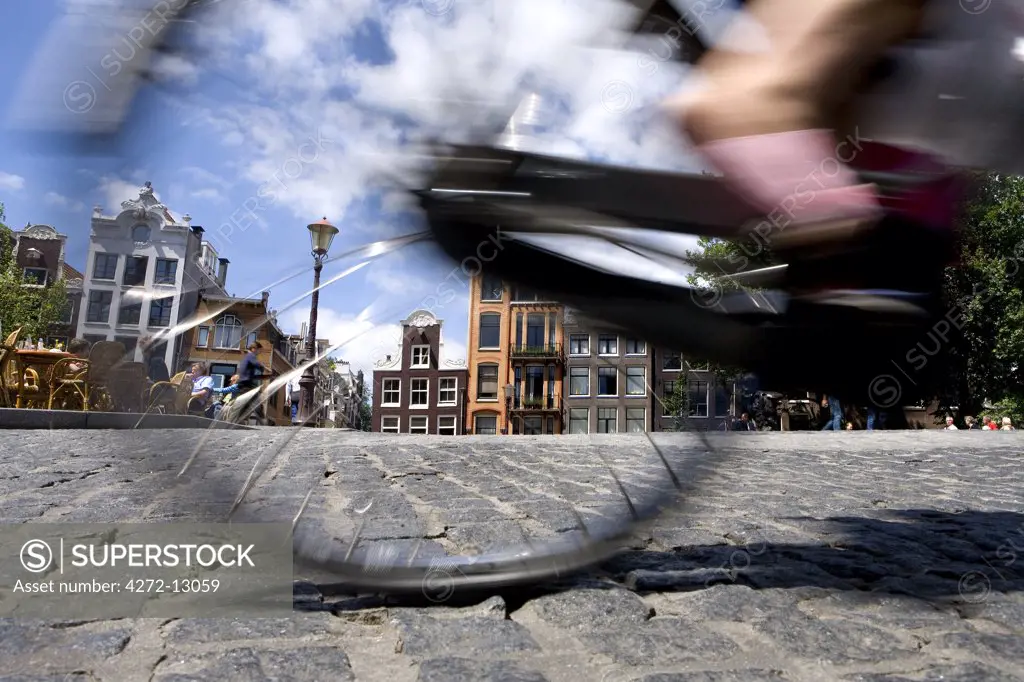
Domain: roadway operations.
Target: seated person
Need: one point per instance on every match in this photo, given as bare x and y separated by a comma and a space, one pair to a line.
228, 392
202, 389
78, 348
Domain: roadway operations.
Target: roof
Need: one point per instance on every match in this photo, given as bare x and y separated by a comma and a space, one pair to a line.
70, 273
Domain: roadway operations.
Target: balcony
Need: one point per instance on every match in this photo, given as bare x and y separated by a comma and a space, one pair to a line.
551, 351
538, 405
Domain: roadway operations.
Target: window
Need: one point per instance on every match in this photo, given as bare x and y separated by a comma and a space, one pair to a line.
391, 392
129, 313
227, 332
166, 271
490, 330
533, 426
135, 271
535, 330
93, 339
251, 338
487, 382
579, 381
519, 330
203, 337
667, 393
522, 293
579, 344
35, 276
491, 288
636, 347
550, 427
160, 312
140, 233
417, 425
635, 419
533, 395
446, 426
579, 420
67, 312
418, 391
420, 357
130, 342
607, 381
485, 424
673, 361
698, 398
99, 306
105, 266
607, 345
221, 373
389, 424
606, 419
446, 390
636, 381
721, 401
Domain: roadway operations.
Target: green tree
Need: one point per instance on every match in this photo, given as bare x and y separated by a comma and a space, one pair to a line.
365, 414
677, 405
31, 308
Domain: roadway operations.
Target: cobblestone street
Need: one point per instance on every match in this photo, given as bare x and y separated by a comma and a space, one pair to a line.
859, 556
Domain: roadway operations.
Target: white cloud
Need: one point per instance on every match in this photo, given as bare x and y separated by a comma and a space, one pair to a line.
11, 182
55, 199
115, 190
365, 340
208, 193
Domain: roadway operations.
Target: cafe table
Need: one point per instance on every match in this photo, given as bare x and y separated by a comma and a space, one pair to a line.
39, 360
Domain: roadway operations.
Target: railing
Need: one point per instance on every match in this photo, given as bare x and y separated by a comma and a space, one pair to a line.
550, 351
551, 403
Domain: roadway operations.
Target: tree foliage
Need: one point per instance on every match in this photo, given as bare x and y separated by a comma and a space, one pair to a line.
677, 405
31, 308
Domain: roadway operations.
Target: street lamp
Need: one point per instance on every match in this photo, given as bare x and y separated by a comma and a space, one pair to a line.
509, 390
321, 234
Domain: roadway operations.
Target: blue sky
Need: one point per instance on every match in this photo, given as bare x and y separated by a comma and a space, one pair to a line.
294, 110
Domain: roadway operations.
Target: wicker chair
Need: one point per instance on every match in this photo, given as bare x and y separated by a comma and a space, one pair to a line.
163, 395
69, 386
9, 382
184, 396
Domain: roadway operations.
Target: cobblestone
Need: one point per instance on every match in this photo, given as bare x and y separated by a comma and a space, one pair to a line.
855, 557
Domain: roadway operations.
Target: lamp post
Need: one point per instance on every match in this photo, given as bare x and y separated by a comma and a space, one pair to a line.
321, 234
509, 389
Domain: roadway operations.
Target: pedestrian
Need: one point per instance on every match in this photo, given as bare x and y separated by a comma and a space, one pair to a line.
202, 390
248, 372
1007, 424
294, 396
156, 367
835, 422
950, 426
970, 423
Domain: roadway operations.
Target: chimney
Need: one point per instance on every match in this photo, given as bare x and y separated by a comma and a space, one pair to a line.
265, 296
197, 230
222, 274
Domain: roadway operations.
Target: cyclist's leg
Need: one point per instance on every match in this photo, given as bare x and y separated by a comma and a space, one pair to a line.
766, 118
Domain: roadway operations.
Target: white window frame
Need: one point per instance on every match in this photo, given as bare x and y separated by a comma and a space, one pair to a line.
398, 424
579, 355
425, 428
608, 395
616, 423
607, 336
643, 377
412, 389
638, 342
589, 378
643, 420
384, 392
46, 277
454, 390
412, 358
707, 398
587, 423
454, 427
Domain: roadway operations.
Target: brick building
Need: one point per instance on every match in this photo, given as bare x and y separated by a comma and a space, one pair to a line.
39, 254
516, 360
417, 389
231, 324
607, 380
